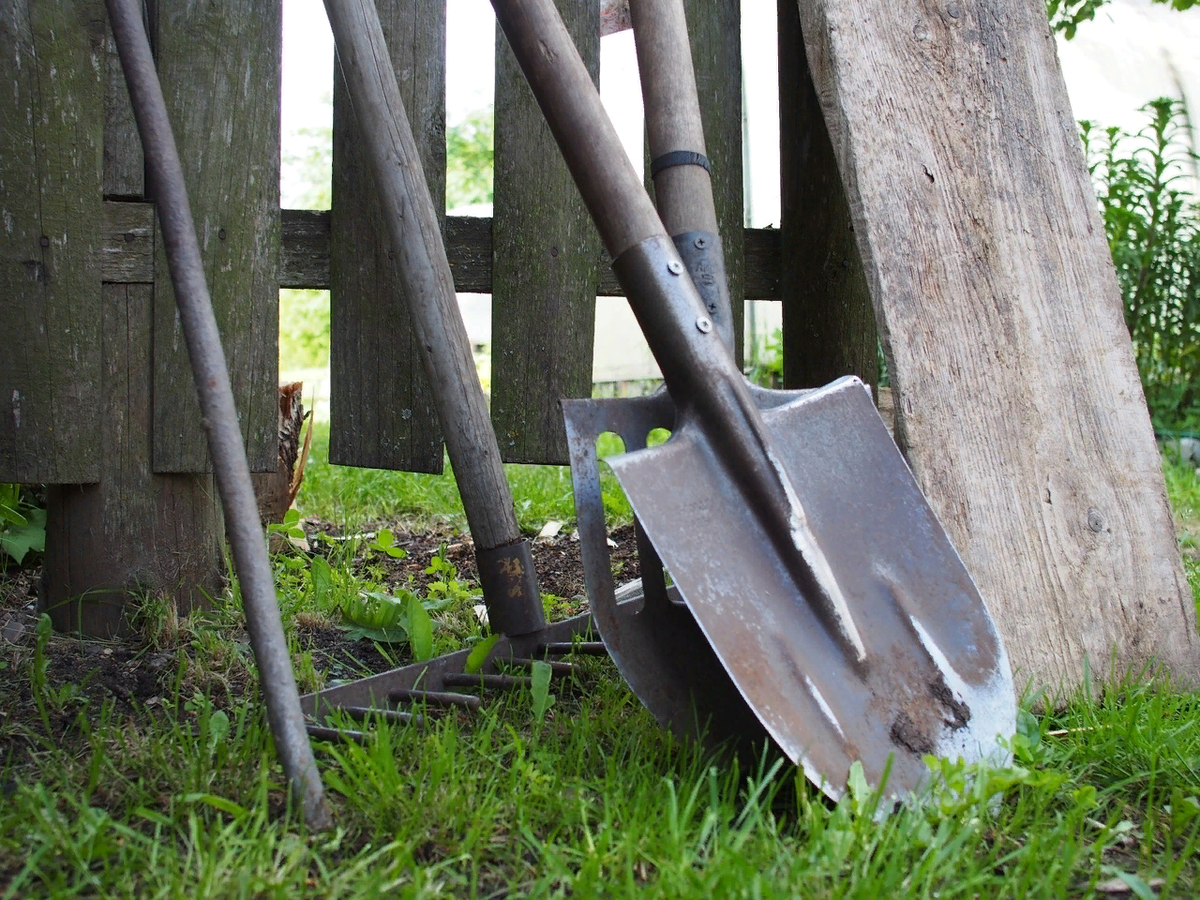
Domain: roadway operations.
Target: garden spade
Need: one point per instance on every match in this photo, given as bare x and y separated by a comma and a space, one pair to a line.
836, 611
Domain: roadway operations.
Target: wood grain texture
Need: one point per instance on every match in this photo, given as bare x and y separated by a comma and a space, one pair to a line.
124, 162
828, 320
304, 258
135, 535
52, 119
545, 255
1017, 401
714, 27
219, 65
128, 248
381, 408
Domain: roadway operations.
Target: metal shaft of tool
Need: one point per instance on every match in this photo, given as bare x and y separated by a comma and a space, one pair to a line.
506, 570
165, 177
700, 373
679, 163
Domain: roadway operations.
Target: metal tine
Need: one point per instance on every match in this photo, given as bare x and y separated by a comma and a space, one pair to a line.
503, 682
391, 715
324, 733
557, 669
435, 698
565, 648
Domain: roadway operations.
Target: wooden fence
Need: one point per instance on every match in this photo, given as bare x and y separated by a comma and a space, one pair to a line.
948, 201
94, 376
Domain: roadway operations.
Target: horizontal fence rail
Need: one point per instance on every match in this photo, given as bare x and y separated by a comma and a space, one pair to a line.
128, 252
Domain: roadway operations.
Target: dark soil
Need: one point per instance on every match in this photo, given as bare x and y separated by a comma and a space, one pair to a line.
138, 677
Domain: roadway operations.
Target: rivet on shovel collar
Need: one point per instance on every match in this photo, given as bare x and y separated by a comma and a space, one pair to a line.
704, 324
675, 267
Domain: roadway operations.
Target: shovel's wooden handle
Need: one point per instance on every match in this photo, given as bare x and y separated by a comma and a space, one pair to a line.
611, 189
683, 192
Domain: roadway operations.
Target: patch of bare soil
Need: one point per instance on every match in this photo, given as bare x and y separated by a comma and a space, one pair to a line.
138, 677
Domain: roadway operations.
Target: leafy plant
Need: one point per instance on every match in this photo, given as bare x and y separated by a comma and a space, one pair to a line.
767, 369
22, 524
1067, 15
470, 152
385, 542
447, 587
1153, 229
376, 616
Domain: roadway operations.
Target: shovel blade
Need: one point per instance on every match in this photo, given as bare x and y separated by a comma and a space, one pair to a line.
926, 673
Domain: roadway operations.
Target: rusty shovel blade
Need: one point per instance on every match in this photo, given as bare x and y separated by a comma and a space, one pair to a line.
909, 663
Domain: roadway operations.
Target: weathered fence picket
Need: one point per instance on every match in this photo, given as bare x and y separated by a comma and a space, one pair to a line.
52, 120
545, 269
228, 138
381, 410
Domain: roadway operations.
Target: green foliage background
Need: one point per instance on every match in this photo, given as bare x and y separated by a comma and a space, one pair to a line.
304, 315
1153, 229
1067, 15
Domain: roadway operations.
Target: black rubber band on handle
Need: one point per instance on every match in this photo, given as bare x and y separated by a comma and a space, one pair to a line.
678, 158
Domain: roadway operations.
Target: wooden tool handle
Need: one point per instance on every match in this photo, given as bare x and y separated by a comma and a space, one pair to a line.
610, 187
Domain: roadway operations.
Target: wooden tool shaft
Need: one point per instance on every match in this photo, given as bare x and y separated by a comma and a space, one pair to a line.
611, 189
683, 192
424, 272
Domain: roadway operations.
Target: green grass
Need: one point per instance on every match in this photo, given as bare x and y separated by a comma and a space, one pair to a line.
357, 497
185, 798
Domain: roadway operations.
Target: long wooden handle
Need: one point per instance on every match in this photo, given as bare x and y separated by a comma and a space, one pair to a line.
429, 291
679, 166
611, 189
683, 192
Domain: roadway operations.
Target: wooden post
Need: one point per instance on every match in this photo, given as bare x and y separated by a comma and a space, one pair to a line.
545, 268
828, 320
381, 409
1018, 404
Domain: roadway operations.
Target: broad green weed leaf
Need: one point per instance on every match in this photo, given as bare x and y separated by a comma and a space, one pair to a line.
479, 652
540, 689
856, 783
420, 629
320, 574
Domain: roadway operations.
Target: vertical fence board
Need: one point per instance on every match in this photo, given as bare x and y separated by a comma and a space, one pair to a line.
135, 534
52, 120
828, 321
381, 409
220, 70
124, 164
714, 27
545, 263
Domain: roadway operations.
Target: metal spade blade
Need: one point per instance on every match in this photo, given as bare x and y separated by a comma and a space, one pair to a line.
791, 528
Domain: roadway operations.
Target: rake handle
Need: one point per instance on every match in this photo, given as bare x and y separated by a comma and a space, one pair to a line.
165, 176
505, 563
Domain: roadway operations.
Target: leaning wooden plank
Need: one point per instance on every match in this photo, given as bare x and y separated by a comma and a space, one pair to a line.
1017, 400
381, 408
220, 70
52, 119
545, 263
